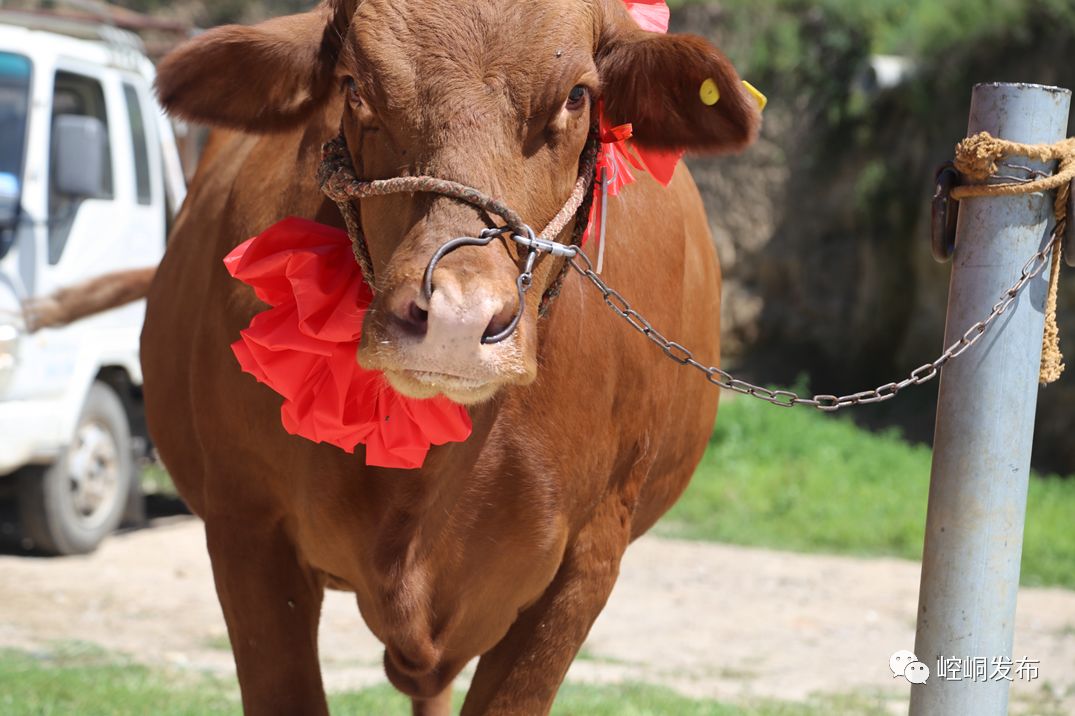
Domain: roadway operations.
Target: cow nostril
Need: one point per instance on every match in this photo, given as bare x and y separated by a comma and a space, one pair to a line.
415, 320
416, 314
500, 322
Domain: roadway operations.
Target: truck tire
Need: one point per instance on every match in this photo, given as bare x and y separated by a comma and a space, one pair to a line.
70, 506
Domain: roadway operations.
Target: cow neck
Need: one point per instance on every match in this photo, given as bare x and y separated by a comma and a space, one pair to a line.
336, 176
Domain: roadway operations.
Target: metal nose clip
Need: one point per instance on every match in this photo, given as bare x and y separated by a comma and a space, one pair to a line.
528, 239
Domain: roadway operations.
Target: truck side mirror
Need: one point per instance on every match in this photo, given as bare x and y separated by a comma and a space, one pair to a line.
79, 151
9, 201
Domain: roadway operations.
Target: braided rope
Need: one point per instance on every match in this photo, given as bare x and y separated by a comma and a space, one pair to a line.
335, 175
587, 168
1052, 360
977, 158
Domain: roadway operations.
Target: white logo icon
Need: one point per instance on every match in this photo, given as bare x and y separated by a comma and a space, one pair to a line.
898, 662
906, 664
917, 672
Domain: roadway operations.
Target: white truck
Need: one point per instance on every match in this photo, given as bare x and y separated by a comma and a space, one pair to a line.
89, 181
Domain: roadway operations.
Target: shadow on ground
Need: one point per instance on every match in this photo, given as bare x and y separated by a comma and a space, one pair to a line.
13, 543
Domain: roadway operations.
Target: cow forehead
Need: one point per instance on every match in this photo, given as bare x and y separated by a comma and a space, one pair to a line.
427, 52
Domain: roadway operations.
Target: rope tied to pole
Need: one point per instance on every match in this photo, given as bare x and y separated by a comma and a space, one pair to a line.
978, 159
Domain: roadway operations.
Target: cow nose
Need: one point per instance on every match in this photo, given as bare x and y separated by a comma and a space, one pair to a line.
454, 317
415, 321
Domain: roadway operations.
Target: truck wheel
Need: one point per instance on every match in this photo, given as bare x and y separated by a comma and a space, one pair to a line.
70, 506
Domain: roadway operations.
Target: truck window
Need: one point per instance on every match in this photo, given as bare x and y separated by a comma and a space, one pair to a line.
74, 94
141, 146
14, 99
14, 102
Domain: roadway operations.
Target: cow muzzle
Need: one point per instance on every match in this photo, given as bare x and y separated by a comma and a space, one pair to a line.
438, 338
462, 341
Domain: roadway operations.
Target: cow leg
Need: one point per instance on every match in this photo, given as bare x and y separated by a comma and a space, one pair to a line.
439, 705
523, 672
272, 605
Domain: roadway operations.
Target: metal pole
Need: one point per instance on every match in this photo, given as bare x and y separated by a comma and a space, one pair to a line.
985, 421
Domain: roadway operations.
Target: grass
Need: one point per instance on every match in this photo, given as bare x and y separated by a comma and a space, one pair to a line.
156, 480
632, 699
77, 679
803, 481
218, 643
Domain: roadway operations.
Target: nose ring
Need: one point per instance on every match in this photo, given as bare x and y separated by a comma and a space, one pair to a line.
522, 284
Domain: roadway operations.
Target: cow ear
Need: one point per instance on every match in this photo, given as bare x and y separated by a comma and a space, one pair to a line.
263, 78
655, 82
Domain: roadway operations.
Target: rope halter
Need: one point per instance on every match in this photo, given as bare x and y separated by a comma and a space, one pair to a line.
336, 176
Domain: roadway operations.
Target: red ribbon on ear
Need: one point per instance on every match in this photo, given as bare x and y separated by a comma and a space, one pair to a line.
650, 15
304, 347
617, 155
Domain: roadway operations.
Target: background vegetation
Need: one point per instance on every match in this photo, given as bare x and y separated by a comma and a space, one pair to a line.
81, 679
823, 226
800, 480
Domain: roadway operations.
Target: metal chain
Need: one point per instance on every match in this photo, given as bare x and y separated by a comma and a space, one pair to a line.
786, 398
338, 181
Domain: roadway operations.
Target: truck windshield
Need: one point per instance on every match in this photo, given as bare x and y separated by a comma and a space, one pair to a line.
14, 101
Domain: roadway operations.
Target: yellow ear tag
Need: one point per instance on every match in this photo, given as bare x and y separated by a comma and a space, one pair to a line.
709, 93
761, 99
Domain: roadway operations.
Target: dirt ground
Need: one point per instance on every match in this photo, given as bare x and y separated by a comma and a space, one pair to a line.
708, 620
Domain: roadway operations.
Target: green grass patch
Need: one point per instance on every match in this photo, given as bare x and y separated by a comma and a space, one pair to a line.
157, 481
804, 481
219, 643
82, 680
645, 700
88, 682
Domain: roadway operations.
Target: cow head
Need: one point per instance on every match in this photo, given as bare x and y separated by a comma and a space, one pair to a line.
496, 94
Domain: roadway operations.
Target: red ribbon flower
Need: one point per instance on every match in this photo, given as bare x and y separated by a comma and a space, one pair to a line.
305, 347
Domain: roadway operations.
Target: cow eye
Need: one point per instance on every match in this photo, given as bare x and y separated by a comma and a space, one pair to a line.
577, 98
351, 88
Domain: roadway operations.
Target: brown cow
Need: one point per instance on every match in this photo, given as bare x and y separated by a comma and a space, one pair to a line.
506, 546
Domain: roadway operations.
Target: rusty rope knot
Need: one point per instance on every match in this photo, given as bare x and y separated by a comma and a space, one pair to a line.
338, 181
978, 158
